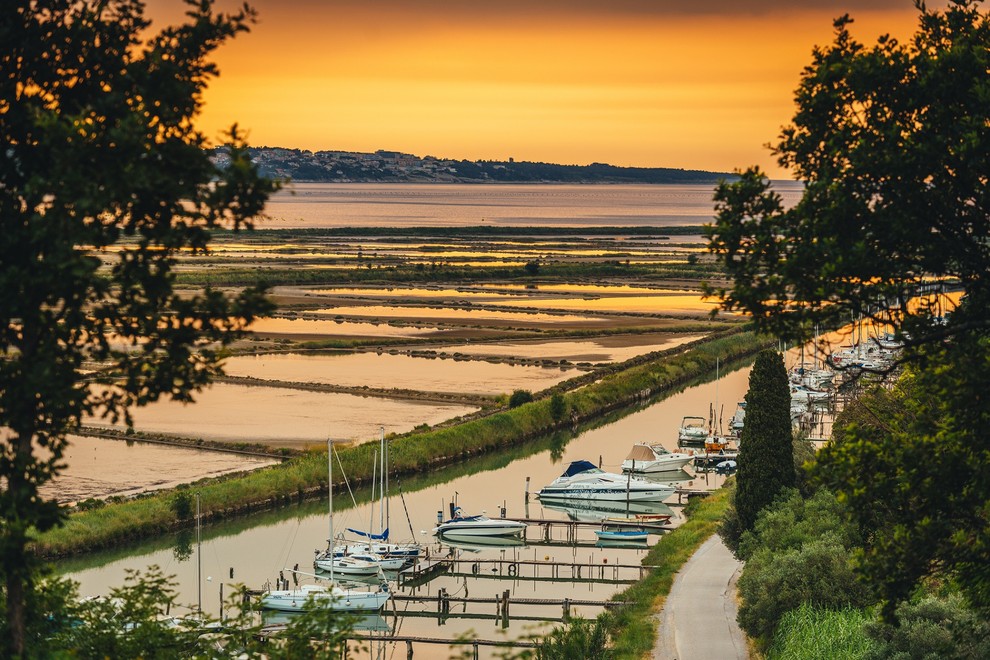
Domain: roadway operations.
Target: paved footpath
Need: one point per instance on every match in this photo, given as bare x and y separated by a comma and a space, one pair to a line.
698, 621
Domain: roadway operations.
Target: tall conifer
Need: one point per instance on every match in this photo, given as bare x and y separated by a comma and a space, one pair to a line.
766, 454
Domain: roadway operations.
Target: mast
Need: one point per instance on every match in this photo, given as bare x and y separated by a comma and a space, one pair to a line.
330, 500
199, 562
381, 487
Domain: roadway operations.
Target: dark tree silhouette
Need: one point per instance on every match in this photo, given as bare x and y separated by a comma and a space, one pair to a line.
766, 450
103, 181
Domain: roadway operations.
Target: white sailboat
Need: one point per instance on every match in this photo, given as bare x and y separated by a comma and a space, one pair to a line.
330, 595
376, 549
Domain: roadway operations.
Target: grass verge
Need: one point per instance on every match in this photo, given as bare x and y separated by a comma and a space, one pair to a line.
810, 633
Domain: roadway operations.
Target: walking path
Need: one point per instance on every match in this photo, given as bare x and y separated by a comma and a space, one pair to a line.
698, 621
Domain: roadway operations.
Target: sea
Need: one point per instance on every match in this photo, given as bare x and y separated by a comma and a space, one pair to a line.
319, 205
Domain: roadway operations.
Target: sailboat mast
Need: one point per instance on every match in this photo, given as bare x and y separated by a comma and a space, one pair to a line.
330, 500
381, 487
199, 561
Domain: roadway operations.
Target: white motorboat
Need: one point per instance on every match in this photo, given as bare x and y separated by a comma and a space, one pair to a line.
654, 458
327, 597
693, 430
472, 527
583, 481
350, 565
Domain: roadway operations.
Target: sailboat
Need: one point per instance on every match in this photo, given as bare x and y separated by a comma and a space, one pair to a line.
376, 547
329, 596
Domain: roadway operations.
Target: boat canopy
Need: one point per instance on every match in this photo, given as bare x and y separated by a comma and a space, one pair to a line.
641, 453
377, 537
577, 467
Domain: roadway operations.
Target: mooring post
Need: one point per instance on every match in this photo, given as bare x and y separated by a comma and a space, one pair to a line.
409, 649
475, 650
505, 609
527, 489
567, 609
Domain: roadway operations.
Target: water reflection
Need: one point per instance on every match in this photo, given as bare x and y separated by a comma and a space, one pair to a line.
599, 511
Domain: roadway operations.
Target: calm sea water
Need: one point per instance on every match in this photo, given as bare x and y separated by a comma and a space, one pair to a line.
564, 205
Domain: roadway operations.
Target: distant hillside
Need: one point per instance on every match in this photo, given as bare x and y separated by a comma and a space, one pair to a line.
392, 166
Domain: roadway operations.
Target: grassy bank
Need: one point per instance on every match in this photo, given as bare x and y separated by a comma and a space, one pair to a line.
634, 629
411, 453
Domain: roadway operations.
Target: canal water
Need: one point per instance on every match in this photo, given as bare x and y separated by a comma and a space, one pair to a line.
252, 550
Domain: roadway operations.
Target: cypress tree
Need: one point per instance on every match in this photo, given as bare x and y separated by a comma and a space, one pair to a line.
766, 452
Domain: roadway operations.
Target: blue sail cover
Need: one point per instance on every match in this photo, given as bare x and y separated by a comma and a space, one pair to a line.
375, 537
578, 467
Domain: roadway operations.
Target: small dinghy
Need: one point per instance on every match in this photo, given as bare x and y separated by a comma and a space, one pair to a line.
630, 535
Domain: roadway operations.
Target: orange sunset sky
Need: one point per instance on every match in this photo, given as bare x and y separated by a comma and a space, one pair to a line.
702, 84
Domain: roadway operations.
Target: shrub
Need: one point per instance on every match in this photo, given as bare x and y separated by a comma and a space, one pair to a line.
935, 628
558, 407
818, 573
520, 397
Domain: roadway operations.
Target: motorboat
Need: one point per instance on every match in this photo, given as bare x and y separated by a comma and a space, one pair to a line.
654, 458
583, 481
325, 597
693, 430
473, 527
358, 564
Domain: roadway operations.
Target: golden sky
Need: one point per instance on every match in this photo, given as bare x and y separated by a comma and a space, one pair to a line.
699, 85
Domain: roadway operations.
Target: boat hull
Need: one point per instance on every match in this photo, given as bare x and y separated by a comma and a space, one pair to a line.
653, 467
657, 494
466, 531
299, 600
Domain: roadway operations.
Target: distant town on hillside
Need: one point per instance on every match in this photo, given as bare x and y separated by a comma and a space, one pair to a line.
395, 167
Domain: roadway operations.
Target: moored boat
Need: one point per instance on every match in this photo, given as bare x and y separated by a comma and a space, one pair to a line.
472, 527
654, 458
583, 481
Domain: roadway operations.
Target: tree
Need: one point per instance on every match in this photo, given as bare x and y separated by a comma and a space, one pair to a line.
766, 454
103, 181
892, 143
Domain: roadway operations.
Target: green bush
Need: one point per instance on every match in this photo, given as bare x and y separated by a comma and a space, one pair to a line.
578, 639
520, 397
933, 629
819, 573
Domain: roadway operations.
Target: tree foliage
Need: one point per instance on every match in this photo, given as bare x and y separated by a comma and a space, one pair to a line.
103, 180
892, 143
766, 454
910, 464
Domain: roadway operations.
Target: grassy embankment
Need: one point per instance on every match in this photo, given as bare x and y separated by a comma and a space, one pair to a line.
633, 628
411, 453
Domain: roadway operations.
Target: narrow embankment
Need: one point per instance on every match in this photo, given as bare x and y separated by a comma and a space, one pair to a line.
412, 453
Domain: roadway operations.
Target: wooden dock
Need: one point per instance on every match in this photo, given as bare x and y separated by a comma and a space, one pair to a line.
525, 569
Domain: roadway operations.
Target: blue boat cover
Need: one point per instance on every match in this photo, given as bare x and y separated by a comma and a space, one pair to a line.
377, 537
578, 467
